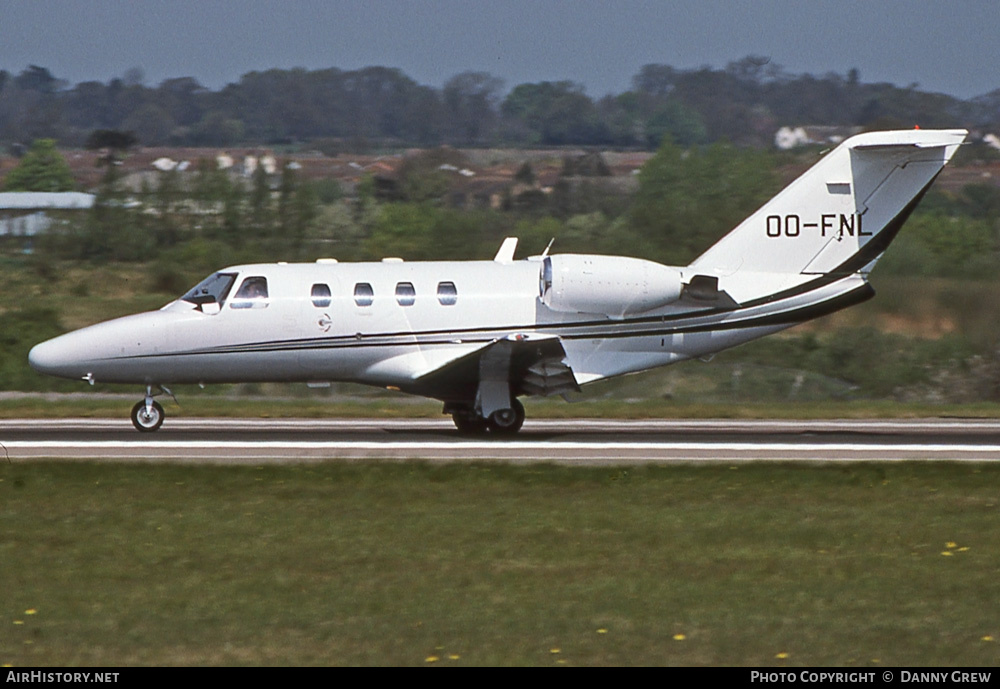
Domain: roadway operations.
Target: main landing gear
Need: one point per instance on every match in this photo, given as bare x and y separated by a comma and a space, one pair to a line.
148, 415
501, 422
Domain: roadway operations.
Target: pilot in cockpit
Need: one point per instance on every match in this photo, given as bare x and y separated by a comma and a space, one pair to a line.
256, 288
252, 293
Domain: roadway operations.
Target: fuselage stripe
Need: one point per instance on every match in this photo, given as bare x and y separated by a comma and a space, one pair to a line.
597, 329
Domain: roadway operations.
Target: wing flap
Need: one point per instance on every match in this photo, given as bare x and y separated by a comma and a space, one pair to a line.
533, 365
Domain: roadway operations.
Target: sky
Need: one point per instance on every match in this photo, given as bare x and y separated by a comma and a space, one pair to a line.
948, 47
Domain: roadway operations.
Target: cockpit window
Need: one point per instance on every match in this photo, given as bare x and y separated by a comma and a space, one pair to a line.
212, 290
252, 294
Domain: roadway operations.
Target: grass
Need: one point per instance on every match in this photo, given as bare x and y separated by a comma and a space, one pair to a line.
415, 564
52, 406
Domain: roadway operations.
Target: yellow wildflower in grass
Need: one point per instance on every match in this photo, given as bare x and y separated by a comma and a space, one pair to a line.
679, 637
781, 656
963, 548
946, 553
987, 638
30, 611
453, 656
18, 621
554, 651
950, 544
431, 659
602, 630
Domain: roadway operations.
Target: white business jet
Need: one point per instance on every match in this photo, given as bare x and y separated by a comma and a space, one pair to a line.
479, 334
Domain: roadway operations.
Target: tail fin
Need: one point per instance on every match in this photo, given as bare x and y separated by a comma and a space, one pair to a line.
838, 217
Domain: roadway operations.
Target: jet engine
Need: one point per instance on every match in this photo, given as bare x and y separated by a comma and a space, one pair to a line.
612, 285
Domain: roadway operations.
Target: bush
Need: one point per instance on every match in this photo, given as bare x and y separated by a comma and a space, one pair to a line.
20, 330
938, 245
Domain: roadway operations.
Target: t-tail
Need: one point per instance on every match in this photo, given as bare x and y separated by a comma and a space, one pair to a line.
833, 222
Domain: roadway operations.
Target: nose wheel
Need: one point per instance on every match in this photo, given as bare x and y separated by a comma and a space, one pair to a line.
147, 416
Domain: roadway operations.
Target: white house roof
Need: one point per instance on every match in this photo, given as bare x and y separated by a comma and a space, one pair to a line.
42, 200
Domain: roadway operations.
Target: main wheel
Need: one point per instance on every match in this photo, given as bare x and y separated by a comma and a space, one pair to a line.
507, 421
146, 419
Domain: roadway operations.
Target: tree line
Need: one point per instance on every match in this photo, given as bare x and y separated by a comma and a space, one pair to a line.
686, 198
333, 109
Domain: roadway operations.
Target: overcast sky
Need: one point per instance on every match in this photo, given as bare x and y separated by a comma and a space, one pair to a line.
951, 47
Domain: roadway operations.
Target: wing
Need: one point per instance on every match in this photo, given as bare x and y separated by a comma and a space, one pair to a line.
532, 364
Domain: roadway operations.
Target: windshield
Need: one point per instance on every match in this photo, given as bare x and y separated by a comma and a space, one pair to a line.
212, 290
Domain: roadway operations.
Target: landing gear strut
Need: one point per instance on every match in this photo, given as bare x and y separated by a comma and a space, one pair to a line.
148, 415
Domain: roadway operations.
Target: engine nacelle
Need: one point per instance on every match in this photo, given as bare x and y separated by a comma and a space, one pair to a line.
612, 285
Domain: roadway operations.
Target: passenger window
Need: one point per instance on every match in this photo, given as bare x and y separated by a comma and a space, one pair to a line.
252, 294
364, 295
405, 293
447, 293
321, 296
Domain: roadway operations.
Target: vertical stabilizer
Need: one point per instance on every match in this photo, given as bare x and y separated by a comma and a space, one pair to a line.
838, 217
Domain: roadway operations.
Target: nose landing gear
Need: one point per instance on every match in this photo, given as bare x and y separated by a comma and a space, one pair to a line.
148, 415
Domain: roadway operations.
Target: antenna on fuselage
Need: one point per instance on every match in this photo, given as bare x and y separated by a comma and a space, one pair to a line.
547, 247
506, 252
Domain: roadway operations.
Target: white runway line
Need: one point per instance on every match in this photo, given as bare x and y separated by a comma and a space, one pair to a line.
519, 446
564, 452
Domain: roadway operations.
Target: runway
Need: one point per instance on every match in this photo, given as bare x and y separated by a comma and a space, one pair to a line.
573, 442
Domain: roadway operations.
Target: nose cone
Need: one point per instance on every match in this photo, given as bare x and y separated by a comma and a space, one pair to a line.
57, 357
123, 350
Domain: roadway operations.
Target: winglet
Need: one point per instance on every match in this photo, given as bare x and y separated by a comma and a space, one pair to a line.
506, 252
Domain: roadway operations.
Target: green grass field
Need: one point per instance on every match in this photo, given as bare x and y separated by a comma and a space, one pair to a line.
489, 564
